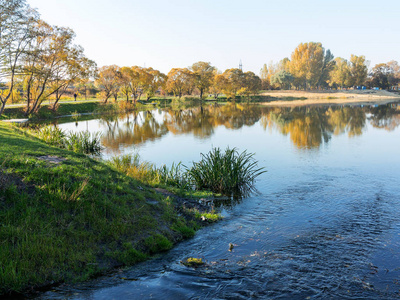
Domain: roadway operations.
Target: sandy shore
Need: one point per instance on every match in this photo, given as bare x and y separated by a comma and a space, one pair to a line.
332, 97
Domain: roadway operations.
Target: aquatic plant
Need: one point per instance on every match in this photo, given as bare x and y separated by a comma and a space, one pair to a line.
52, 135
83, 142
174, 176
226, 172
79, 142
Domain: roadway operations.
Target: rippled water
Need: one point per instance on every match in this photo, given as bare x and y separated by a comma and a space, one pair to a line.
325, 224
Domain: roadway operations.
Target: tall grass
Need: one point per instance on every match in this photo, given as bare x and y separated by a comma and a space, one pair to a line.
79, 142
83, 142
52, 135
174, 176
229, 172
133, 167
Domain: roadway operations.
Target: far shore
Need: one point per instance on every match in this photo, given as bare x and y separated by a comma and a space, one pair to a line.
356, 97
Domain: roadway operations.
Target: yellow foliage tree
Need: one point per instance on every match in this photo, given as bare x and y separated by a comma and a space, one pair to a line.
306, 64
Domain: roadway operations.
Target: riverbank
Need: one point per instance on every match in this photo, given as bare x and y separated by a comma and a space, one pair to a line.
299, 98
66, 217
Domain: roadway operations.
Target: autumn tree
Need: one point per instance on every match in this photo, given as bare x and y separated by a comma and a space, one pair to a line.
108, 81
203, 76
217, 84
73, 66
152, 80
17, 30
327, 67
125, 82
176, 82
233, 82
136, 82
264, 77
251, 83
358, 70
385, 75
306, 64
50, 64
340, 76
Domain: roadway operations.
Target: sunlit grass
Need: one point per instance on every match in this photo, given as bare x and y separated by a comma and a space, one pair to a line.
228, 172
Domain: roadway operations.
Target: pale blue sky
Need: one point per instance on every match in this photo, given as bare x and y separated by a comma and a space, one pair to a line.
177, 33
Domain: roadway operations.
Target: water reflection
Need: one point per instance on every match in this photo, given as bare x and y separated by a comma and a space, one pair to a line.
307, 127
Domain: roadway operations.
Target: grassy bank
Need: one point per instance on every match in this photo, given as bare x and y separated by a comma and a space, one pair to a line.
72, 108
66, 217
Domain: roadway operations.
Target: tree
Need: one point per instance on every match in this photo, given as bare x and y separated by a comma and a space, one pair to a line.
72, 68
306, 64
125, 82
108, 81
358, 70
264, 77
251, 83
327, 67
394, 74
152, 80
233, 82
203, 76
282, 79
176, 82
136, 82
17, 30
217, 84
48, 64
340, 75
384, 76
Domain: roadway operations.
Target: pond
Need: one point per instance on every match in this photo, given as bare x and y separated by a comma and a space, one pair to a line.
325, 222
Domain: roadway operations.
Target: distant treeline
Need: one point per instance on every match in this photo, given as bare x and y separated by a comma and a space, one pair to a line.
39, 62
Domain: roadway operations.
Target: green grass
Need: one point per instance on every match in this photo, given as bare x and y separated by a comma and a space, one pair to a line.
72, 220
228, 173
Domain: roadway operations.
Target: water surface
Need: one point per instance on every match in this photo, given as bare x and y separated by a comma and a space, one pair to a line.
325, 223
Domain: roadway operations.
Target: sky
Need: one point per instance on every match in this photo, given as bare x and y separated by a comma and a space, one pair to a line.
165, 34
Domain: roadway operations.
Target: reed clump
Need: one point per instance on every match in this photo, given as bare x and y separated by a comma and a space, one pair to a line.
228, 172
79, 142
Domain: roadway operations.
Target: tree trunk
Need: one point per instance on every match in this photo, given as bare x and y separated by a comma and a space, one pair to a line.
3, 105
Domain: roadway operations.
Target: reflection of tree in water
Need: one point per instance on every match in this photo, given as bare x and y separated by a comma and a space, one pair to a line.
139, 127
347, 119
202, 120
132, 129
309, 127
385, 117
